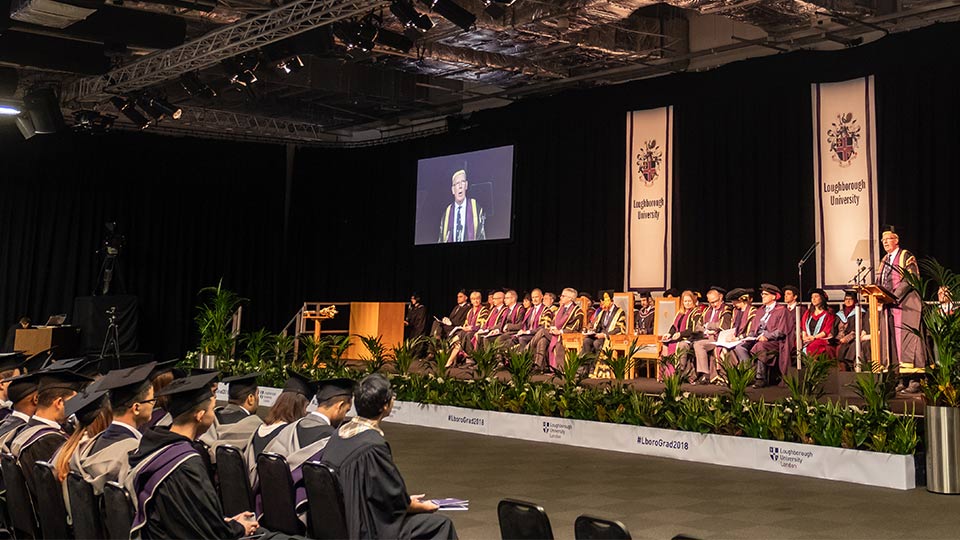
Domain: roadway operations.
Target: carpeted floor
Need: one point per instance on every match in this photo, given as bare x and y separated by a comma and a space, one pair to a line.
656, 498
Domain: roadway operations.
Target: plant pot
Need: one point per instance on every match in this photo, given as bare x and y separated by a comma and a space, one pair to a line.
207, 361
943, 450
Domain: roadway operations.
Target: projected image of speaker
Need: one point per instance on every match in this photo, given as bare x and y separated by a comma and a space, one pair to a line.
465, 197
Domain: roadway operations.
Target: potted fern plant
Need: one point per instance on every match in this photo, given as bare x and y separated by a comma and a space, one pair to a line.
940, 333
214, 322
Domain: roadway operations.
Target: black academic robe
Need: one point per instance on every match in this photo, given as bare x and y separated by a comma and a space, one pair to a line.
9, 424
113, 434
5, 412
40, 450
185, 503
375, 496
259, 442
416, 321
231, 414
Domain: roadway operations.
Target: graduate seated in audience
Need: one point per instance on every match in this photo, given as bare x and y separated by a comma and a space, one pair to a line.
22, 391
172, 493
161, 376
43, 434
306, 439
290, 406
817, 326
377, 503
103, 458
235, 423
90, 416
11, 365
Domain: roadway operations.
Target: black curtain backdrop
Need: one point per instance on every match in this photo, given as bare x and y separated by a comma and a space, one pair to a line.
196, 210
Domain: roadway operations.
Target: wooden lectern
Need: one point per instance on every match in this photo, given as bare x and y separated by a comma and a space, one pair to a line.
64, 340
877, 296
383, 319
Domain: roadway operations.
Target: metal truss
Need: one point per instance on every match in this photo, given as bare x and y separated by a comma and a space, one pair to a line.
228, 125
227, 42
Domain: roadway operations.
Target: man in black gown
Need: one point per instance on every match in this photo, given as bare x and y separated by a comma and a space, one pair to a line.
173, 494
376, 500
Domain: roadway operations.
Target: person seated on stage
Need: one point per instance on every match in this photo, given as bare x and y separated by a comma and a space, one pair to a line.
677, 340
463, 219
816, 326
791, 298
43, 434
527, 302
644, 316
161, 377
305, 439
945, 301
376, 500
609, 320
490, 295
717, 317
494, 322
289, 407
458, 315
235, 423
22, 391
518, 320
415, 320
476, 317
11, 365
770, 347
529, 339
511, 318
846, 331
743, 310
568, 319
530, 323
103, 458
172, 492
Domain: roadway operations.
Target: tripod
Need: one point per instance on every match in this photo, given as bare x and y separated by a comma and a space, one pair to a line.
111, 341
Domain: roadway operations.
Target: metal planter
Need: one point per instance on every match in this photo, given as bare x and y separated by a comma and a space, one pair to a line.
943, 449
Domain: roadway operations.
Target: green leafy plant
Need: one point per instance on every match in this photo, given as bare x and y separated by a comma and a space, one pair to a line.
739, 376
807, 384
520, 366
569, 370
214, 320
441, 349
281, 348
404, 354
336, 349
313, 351
377, 353
486, 358
876, 390
622, 365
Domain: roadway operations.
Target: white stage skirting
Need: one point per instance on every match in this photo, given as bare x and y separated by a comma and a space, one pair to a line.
857, 466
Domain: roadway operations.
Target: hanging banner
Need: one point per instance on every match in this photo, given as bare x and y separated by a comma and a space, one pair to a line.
649, 185
845, 180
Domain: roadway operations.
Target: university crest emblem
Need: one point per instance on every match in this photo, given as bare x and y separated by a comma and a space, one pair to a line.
774, 453
844, 139
648, 160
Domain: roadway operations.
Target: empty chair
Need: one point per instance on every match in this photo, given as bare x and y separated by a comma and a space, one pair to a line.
521, 520
117, 511
22, 519
326, 517
235, 493
84, 508
595, 528
278, 502
49, 497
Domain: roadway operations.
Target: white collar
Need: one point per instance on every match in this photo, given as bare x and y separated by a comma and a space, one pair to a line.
128, 427
770, 306
20, 415
458, 206
50, 423
323, 416
893, 254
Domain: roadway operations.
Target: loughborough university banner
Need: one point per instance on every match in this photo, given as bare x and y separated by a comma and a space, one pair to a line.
649, 185
845, 179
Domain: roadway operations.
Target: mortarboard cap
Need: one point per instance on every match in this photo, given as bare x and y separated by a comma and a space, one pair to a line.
300, 384
186, 393
850, 293
204, 371
164, 367
889, 230
22, 386
821, 292
12, 360
331, 388
37, 360
671, 292
85, 365
126, 384
770, 288
720, 290
240, 386
61, 379
792, 288
86, 405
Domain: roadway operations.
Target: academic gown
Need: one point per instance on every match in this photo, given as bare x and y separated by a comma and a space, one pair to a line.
233, 426
176, 499
5, 412
105, 458
375, 496
9, 428
37, 441
159, 418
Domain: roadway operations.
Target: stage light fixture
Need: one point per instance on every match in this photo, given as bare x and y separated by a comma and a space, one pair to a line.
389, 38
290, 65
166, 108
128, 109
43, 106
25, 125
88, 121
452, 12
404, 11
194, 87
242, 70
355, 35
9, 110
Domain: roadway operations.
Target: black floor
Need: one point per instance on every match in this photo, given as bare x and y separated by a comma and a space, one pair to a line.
656, 498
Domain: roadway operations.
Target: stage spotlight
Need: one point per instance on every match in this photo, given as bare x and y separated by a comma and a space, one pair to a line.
44, 109
127, 108
404, 11
25, 125
291, 65
389, 38
194, 87
167, 108
242, 71
355, 35
452, 12
9, 110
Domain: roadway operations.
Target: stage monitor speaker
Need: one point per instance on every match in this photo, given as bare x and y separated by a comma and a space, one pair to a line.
90, 314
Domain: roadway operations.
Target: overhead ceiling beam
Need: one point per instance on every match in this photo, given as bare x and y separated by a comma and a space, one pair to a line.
221, 44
